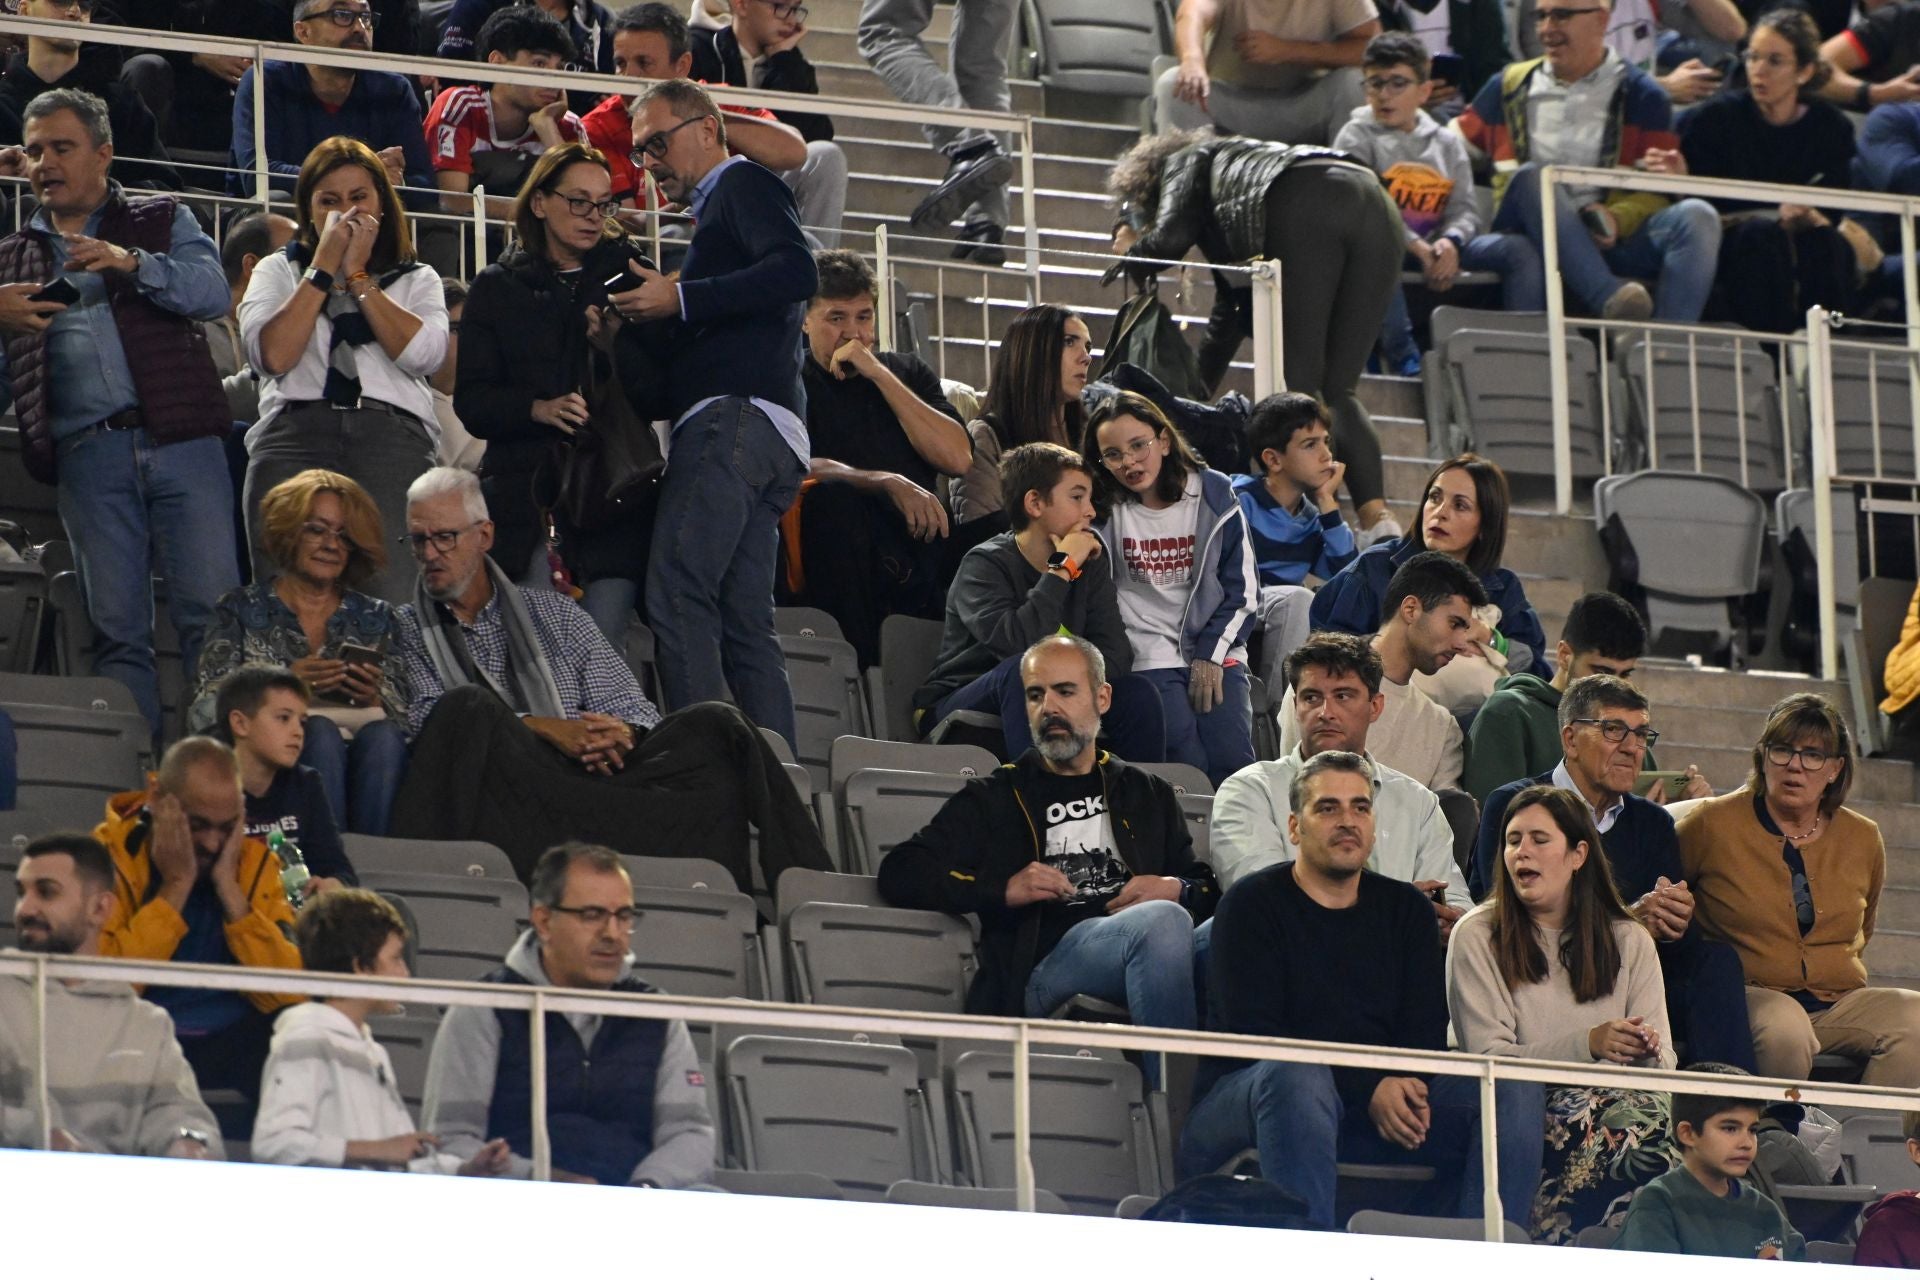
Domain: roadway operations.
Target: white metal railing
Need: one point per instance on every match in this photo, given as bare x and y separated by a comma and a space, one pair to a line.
1019, 1035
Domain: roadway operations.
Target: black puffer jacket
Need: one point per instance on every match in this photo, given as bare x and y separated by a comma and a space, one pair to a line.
523, 338
1214, 195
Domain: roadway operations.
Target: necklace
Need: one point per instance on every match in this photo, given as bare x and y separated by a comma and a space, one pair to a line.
1799, 836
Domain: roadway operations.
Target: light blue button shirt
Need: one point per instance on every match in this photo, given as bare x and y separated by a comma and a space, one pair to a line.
1603, 819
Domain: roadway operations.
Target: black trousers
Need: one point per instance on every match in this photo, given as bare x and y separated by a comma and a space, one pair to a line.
232, 1059
863, 566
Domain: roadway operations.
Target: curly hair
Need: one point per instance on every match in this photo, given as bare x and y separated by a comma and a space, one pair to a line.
1135, 176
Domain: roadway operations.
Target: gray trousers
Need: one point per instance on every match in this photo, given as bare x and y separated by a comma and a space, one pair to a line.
1313, 115
889, 39
820, 190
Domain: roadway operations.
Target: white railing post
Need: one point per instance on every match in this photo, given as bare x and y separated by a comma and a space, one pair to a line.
42, 1088
1030, 203
1023, 1197
1558, 384
262, 171
1269, 334
1494, 1213
1820, 414
1910, 300
479, 215
537, 1052
883, 271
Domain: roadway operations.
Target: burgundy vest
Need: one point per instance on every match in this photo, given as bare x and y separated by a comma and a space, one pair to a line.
178, 388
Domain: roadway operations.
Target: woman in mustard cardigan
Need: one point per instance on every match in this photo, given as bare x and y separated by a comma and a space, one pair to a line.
1791, 878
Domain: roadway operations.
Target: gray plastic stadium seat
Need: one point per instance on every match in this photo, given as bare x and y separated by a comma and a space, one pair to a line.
945, 1197
908, 649
1667, 387
23, 608
72, 760
408, 1040
73, 644
24, 500
1134, 1207
1094, 1142
882, 807
1872, 399
851, 754
1793, 511
1874, 1152
1445, 429
795, 1185
877, 957
678, 873
1499, 387
16, 829
1831, 1252
853, 1112
798, 620
1596, 1237
782, 749
698, 942
467, 923
640, 650
803, 884
1096, 46
827, 699
474, 858
93, 693
1377, 1222
1698, 540
1184, 778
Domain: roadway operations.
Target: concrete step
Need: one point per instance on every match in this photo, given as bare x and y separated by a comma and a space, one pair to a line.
1671, 684
1899, 908
856, 79
838, 44
1401, 437
913, 158
1903, 860
1396, 397
1899, 825
844, 15
1552, 597
1895, 956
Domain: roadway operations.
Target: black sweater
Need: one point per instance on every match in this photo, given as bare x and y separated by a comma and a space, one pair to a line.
1726, 137
717, 60
140, 161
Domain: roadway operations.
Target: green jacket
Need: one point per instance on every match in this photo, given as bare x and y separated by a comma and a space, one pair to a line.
1675, 1214
1516, 734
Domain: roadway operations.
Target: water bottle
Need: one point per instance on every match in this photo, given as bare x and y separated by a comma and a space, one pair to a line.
293, 867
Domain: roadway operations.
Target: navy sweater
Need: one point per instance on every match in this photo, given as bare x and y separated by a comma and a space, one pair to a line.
382, 111
1641, 847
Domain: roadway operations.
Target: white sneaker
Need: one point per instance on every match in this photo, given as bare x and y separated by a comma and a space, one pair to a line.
1382, 530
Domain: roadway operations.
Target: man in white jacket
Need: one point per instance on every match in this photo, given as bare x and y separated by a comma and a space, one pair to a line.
116, 1080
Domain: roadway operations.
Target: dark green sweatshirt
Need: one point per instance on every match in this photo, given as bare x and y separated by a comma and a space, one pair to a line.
1516, 734
1676, 1214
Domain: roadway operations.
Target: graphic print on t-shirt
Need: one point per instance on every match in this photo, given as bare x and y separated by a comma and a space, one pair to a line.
1158, 562
1421, 191
1079, 843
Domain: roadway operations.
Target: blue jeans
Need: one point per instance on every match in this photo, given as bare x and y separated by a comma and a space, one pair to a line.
1680, 245
1141, 957
1133, 725
9, 762
729, 478
128, 504
1293, 1116
1219, 743
361, 777
1398, 352
610, 602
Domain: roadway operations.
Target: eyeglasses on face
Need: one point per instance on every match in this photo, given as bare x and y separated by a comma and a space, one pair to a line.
1780, 755
441, 540
1561, 17
314, 531
1137, 448
581, 207
597, 917
1617, 730
787, 12
82, 7
656, 146
342, 16
1389, 84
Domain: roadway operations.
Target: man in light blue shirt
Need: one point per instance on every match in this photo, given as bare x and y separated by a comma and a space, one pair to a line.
118, 399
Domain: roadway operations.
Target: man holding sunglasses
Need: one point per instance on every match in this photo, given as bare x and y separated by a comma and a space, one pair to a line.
1605, 730
307, 104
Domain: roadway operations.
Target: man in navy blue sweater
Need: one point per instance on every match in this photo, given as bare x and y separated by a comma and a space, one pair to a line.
739, 446
1605, 731
307, 105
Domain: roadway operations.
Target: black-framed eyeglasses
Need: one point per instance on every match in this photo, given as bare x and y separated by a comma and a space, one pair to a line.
1561, 17
1617, 730
441, 540
1812, 759
1388, 84
597, 917
83, 7
656, 146
345, 17
788, 12
581, 207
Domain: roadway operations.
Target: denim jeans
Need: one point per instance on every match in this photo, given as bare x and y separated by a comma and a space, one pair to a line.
361, 777
609, 602
1293, 1116
9, 762
1133, 726
1399, 353
1706, 1000
729, 478
1219, 743
129, 504
1679, 246
1141, 957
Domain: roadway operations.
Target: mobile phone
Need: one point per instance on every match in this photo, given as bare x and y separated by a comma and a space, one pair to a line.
359, 655
621, 282
60, 289
1674, 778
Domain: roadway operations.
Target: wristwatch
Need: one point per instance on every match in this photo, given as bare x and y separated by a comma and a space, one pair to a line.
200, 1136
1061, 560
321, 280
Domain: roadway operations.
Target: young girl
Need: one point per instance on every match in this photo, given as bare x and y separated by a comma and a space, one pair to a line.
1176, 543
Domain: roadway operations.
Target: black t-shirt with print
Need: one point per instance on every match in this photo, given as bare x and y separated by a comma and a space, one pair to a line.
1076, 837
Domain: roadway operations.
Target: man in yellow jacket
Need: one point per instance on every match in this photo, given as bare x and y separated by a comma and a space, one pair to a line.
191, 886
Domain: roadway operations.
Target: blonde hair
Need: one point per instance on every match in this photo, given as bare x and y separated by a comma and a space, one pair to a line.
289, 504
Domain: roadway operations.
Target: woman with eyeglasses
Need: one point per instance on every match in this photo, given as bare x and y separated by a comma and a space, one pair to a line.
313, 618
523, 377
345, 327
1791, 877
1778, 260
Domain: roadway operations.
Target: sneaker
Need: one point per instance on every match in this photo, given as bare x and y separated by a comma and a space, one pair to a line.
973, 172
1384, 529
1630, 301
981, 241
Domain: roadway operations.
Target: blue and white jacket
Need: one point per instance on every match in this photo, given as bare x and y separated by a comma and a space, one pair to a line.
1221, 610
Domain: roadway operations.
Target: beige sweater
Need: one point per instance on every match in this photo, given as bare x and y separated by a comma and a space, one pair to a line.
1542, 1020
1414, 734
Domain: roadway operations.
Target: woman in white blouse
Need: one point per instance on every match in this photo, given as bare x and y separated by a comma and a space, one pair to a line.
345, 328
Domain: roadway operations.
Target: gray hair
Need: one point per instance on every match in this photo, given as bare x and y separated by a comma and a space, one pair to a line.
439, 482
1095, 660
549, 882
1589, 694
1328, 762
90, 109
687, 101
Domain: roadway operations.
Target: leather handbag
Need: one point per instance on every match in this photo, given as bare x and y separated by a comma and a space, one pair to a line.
608, 469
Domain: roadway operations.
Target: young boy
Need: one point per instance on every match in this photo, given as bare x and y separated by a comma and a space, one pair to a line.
1890, 1237
1702, 1208
1426, 169
263, 712
1293, 516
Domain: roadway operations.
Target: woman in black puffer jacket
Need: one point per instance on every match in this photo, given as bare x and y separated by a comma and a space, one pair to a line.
529, 321
1338, 239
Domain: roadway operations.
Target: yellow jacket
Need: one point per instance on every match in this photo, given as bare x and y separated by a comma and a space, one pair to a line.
146, 927
1903, 663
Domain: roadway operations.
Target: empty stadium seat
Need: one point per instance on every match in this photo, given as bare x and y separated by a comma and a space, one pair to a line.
678, 873
1184, 778
23, 612
1096, 46
1596, 1237
1874, 1152
1489, 374
1134, 1207
1378, 1222
942, 1196
782, 749
698, 942
1793, 514
850, 754
72, 760
640, 660
1831, 1252
93, 693
795, 1184
877, 957
408, 1040
1708, 403
1695, 543
1873, 412
882, 807
428, 857
799, 620
908, 649
827, 699
467, 923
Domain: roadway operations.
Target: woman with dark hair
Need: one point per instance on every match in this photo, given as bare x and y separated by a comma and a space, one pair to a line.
1033, 398
1176, 542
1553, 965
1791, 877
1777, 261
1464, 515
314, 619
1337, 237
530, 321
345, 328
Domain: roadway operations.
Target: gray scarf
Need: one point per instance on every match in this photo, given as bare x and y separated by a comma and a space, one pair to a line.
530, 687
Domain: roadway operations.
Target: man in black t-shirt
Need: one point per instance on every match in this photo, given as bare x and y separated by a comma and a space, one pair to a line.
873, 533
1322, 949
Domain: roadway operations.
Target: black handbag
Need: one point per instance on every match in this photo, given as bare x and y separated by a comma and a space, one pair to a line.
609, 467
1145, 334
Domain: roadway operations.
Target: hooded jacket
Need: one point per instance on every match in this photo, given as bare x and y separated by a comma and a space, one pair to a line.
961, 861
1426, 172
1516, 734
1890, 1236
1224, 599
116, 1077
466, 1065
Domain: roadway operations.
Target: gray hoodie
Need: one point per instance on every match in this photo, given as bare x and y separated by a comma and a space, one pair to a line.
116, 1077
1426, 172
466, 1053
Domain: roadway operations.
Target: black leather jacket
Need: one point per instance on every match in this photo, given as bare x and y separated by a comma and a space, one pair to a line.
1214, 195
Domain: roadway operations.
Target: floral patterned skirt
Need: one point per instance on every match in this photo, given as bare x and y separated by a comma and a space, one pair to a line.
1602, 1146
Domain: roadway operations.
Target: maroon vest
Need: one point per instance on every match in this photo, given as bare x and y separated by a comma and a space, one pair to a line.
178, 388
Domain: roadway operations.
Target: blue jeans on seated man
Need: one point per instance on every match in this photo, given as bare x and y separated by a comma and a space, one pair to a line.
1219, 743
1141, 957
1293, 1116
1678, 247
1134, 726
361, 777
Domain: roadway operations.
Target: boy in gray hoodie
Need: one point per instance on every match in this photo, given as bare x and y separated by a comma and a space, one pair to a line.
1425, 168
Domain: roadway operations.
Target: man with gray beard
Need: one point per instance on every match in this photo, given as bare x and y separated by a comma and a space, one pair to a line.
1079, 865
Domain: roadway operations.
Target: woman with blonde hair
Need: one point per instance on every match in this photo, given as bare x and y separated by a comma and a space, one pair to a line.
345, 328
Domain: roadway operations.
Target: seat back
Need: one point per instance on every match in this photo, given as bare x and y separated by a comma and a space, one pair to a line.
882, 807
467, 923
678, 873
1596, 1237
850, 754
1184, 778
1831, 1252
877, 957
1874, 1152
1378, 1222
16, 830
1093, 1139
72, 760
698, 942
23, 611
795, 1185
74, 642
1096, 46
908, 649
803, 884
827, 699
1794, 513
408, 1040
640, 651
1697, 539
1500, 383
1873, 412
797, 620
850, 1111
1709, 404
474, 858
93, 693
25, 501
945, 1197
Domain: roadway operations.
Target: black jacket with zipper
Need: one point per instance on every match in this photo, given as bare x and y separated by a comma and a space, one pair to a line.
981, 838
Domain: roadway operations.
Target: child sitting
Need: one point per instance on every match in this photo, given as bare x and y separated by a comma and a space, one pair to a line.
262, 711
1703, 1208
1890, 1237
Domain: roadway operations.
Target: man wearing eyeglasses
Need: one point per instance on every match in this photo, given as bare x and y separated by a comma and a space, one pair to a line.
308, 104
626, 1098
1605, 730
139, 159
